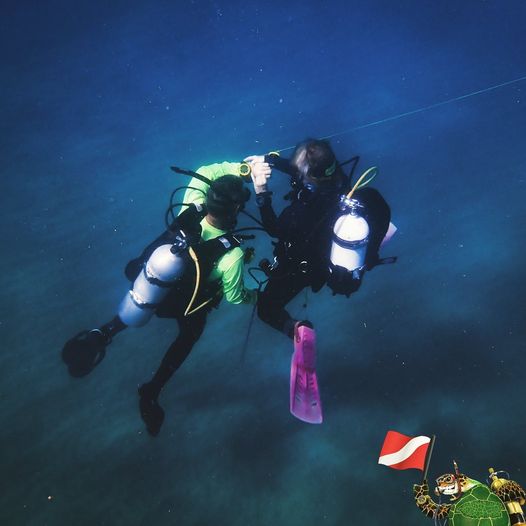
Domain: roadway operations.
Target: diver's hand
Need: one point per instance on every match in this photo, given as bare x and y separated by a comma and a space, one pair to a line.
260, 173
254, 159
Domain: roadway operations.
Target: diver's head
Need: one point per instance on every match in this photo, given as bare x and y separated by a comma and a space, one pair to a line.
225, 198
316, 163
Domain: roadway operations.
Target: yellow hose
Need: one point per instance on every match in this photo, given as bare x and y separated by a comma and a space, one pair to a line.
359, 184
187, 312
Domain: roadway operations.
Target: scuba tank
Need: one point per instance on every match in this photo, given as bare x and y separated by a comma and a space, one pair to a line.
163, 268
362, 225
350, 237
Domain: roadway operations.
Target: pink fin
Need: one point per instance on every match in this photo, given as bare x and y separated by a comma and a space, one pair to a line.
391, 231
305, 402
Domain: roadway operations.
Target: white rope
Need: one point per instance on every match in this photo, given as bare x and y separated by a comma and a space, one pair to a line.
419, 110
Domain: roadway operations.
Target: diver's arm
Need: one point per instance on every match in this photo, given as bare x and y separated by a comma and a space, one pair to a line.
260, 174
280, 163
197, 194
269, 218
232, 270
274, 161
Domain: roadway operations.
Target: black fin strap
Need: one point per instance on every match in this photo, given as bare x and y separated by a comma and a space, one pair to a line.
388, 261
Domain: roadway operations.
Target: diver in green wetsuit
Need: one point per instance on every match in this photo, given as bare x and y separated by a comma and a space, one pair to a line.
199, 237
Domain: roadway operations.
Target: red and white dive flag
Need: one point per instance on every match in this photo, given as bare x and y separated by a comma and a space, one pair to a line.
403, 452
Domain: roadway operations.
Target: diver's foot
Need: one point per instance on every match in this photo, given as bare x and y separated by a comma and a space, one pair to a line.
304, 323
152, 413
291, 325
84, 352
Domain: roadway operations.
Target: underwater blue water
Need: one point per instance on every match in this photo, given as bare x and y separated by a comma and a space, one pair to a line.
99, 99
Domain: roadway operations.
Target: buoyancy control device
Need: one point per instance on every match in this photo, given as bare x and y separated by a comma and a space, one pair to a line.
168, 264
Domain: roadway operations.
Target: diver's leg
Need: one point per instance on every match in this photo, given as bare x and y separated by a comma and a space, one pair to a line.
278, 292
112, 328
86, 350
190, 330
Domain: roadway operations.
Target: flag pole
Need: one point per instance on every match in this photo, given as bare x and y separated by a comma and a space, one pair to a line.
428, 457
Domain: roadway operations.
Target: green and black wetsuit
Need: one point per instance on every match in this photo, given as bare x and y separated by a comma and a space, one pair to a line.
223, 276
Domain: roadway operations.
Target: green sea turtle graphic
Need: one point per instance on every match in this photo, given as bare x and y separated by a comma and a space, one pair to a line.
472, 503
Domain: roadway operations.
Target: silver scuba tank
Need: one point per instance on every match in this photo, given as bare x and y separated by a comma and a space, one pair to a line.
163, 268
350, 236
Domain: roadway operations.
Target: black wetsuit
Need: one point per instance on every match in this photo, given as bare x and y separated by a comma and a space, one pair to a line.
304, 232
190, 329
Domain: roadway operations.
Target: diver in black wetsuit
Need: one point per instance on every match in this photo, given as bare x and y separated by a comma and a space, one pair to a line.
304, 228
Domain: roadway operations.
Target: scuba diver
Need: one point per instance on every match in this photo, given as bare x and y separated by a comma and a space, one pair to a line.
329, 234
324, 237
182, 274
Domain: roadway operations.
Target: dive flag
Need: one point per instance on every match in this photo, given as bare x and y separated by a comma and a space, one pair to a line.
403, 452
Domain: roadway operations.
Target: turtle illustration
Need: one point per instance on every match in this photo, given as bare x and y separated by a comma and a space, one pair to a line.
472, 503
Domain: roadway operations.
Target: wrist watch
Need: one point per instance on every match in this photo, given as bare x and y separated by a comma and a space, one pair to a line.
244, 170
